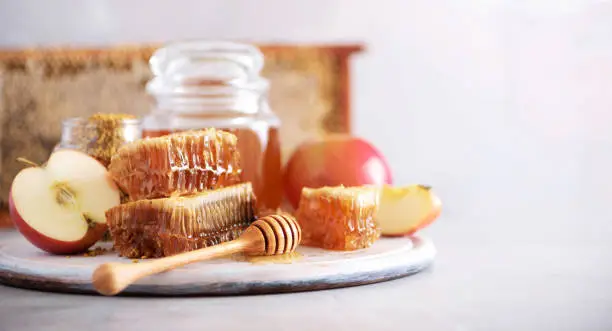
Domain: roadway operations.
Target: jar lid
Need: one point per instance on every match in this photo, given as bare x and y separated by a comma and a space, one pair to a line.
206, 68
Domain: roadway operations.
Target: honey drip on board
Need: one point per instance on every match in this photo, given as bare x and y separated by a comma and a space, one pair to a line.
273, 259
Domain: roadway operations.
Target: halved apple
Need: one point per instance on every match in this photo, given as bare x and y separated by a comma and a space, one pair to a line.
405, 210
60, 207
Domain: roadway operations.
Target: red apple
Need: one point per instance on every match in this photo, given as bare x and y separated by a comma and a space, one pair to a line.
405, 210
60, 207
333, 161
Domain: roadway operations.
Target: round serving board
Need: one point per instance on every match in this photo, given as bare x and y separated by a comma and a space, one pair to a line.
23, 265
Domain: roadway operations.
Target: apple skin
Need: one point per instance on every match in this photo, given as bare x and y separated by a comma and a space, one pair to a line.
51, 245
334, 161
437, 203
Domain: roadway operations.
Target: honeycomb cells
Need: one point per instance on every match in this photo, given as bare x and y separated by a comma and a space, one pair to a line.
177, 164
339, 218
168, 226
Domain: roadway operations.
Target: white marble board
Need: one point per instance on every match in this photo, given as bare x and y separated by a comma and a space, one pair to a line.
23, 265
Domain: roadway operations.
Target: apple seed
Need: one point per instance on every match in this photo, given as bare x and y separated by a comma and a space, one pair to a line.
64, 195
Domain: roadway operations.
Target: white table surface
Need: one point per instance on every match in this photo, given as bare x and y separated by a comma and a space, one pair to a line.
514, 273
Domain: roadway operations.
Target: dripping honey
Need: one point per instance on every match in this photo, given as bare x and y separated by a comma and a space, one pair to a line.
260, 161
276, 259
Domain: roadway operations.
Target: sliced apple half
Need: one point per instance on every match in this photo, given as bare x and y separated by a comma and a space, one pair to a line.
60, 207
405, 210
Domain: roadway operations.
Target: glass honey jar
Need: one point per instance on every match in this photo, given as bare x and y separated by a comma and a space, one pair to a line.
201, 84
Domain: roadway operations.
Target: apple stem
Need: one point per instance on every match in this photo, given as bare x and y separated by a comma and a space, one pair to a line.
90, 223
425, 187
27, 162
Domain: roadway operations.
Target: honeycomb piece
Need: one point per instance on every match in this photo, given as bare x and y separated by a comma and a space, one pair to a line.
339, 218
168, 226
177, 164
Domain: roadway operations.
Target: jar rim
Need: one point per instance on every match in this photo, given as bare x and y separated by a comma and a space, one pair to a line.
157, 86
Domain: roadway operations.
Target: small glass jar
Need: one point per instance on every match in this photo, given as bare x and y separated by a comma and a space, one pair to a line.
199, 85
99, 135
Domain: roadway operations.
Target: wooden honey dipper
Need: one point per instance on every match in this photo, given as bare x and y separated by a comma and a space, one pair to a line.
269, 235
